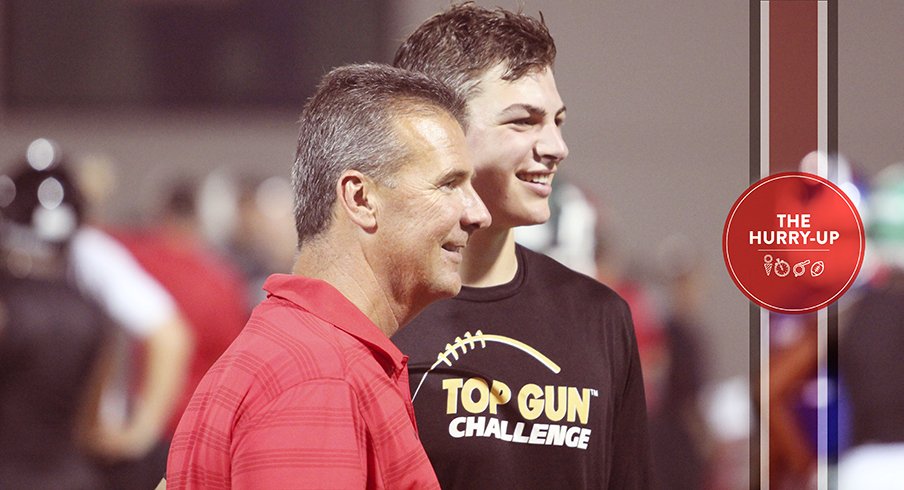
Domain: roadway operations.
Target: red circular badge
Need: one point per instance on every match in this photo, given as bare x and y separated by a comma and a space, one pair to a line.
793, 242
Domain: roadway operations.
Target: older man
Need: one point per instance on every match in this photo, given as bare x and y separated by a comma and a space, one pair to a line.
530, 377
313, 393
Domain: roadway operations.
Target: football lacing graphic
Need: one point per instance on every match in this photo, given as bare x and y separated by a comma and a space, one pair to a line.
481, 338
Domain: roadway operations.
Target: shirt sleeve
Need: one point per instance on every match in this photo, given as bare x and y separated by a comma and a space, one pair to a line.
105, 270
631, 466
310, 436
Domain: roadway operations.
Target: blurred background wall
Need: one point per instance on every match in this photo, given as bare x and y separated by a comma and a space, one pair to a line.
657, 96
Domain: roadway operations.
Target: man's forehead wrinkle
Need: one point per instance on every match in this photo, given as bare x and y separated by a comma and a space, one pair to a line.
455, 173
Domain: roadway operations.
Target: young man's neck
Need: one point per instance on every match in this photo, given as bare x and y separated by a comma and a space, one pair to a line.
489, 258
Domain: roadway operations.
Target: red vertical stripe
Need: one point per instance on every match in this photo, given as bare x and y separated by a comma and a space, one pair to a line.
793, 90
793, 133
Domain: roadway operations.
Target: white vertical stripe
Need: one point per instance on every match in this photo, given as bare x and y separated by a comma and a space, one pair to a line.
822, 424
822, 83
764, 314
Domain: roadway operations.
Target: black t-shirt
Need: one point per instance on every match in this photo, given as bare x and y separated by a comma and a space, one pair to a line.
531, 384
49, 344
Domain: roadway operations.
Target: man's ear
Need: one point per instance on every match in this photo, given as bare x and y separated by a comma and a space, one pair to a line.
357, 199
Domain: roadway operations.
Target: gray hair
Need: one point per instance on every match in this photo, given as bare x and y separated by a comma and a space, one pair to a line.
349, 123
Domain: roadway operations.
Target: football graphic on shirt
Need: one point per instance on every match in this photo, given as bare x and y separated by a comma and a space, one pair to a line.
479, 338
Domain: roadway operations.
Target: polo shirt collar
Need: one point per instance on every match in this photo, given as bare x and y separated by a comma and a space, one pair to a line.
324, 301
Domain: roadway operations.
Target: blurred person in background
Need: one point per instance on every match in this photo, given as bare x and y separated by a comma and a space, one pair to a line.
677, 423
522, 321
127, 429
51, 337
207, 289
261, 240
870, 347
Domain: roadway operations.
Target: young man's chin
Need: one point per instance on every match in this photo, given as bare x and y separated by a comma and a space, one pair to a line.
536, 216
521, 214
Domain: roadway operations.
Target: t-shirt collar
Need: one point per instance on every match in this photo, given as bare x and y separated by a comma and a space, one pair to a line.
502, 291
324, 301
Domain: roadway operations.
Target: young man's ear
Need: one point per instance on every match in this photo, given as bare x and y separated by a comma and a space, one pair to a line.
357, 199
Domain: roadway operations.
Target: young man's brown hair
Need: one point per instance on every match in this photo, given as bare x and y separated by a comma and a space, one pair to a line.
445, 46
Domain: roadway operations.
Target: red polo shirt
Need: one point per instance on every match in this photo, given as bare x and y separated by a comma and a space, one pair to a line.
310, 395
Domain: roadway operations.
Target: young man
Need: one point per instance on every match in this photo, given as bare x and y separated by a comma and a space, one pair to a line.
530, 377
312, 394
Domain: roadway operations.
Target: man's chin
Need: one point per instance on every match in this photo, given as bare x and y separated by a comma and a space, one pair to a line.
453, 285
430, 293
455, 288
446, 288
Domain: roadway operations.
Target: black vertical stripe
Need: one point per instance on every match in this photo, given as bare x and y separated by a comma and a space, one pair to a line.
753, 176
832, 143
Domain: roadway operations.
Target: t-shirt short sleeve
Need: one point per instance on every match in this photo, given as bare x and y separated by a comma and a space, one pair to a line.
104, 270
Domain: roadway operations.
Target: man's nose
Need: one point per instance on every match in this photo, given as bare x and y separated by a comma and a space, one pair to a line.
551, 147
475, 215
